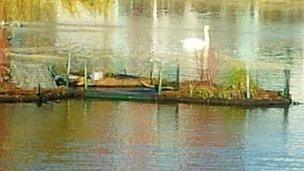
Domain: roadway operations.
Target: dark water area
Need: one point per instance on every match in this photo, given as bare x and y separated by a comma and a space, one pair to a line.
107, 135
118, 35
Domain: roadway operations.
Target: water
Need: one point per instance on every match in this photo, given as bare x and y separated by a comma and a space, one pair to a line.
111, 135
107, 135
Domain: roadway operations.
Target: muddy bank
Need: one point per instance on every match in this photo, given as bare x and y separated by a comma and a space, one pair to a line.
32, 96
192, 92
151, 95
195, 92
133, 94
113, 82
248, 103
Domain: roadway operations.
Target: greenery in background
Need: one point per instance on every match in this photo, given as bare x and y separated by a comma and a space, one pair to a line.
235, 82
233, 86
203, 93
46, 10
27, 10
236, 79
99, 7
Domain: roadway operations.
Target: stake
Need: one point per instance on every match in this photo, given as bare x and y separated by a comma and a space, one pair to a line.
69, 64
247, 84
287, 83
85, 75
191, 90
257, 78
160, 80
2, 24
151, 73
68, 70
151, 77
39, 90
177, 76
39, 94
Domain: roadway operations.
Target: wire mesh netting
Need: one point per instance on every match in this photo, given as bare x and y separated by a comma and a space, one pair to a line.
143, 64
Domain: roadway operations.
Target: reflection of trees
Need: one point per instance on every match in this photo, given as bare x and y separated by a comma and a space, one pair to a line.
27, 10
3, 134
87, 122
100, 7
45, 10
26, 137
211, 126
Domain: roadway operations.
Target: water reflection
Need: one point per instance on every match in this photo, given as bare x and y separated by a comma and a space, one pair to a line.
137, 29
134, 31
47, 11
139, 136
142, 136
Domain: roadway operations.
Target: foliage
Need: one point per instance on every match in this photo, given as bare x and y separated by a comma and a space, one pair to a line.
236, 79
203, 93
225, 94
236, 82
46, 10
99, 7
27, 10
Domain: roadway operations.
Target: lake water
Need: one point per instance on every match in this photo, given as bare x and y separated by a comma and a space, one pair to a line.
117, 135
107, 135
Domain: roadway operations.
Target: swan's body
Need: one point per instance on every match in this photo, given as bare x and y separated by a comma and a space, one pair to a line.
196, 52
194, 44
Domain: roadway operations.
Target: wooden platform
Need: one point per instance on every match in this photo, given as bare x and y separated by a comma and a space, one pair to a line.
150, 95
139, 94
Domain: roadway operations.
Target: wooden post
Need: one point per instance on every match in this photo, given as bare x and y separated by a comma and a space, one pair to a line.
69, 64
160, 80
2, 24
247, 84
151, 73
177, 76
151, 77
39, 90
68, 70
257, 78
287, 83
39, 94
85, 75
191, 90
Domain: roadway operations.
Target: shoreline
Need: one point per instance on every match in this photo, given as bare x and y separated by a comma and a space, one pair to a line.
150, 95
138, 94
45, 96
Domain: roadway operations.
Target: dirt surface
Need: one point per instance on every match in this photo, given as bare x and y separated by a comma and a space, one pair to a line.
196, 89
11, 94
189, 92
116, 82
206, 90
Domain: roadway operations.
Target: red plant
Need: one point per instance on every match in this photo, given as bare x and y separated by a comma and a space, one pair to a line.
4, 45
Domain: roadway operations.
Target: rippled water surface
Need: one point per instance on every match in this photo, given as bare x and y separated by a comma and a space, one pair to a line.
111, 135
124, 35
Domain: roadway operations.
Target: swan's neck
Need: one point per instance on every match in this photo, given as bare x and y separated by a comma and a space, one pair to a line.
206, 36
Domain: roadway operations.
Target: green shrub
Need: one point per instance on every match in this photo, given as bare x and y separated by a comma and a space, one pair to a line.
203, 93
236, 80
225, 94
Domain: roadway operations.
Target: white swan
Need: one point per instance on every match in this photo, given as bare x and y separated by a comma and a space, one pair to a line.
197, 52
194, 44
